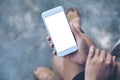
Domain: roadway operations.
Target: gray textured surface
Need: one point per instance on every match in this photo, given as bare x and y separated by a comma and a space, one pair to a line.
22, 34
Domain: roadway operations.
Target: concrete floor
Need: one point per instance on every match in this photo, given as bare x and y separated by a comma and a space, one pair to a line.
22, 33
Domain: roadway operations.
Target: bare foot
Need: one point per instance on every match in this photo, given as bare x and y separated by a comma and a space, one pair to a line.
74, 18
74, 63
43, 74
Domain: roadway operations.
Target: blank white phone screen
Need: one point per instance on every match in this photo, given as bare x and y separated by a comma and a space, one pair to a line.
60, 31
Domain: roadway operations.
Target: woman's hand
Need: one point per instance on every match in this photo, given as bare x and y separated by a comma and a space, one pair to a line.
100, 65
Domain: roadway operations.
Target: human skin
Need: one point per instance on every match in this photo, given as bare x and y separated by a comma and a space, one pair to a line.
73, 64
68, 66
79, 58
100, 65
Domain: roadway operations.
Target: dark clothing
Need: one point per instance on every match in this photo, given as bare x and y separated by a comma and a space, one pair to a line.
79, 76
116, 50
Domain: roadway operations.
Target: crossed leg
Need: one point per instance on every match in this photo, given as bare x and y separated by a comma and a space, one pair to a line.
66, 68
74, 19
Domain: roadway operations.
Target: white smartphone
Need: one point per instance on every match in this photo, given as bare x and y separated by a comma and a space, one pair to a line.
60, 31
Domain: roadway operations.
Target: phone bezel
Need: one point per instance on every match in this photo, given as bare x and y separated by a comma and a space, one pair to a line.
52, 12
